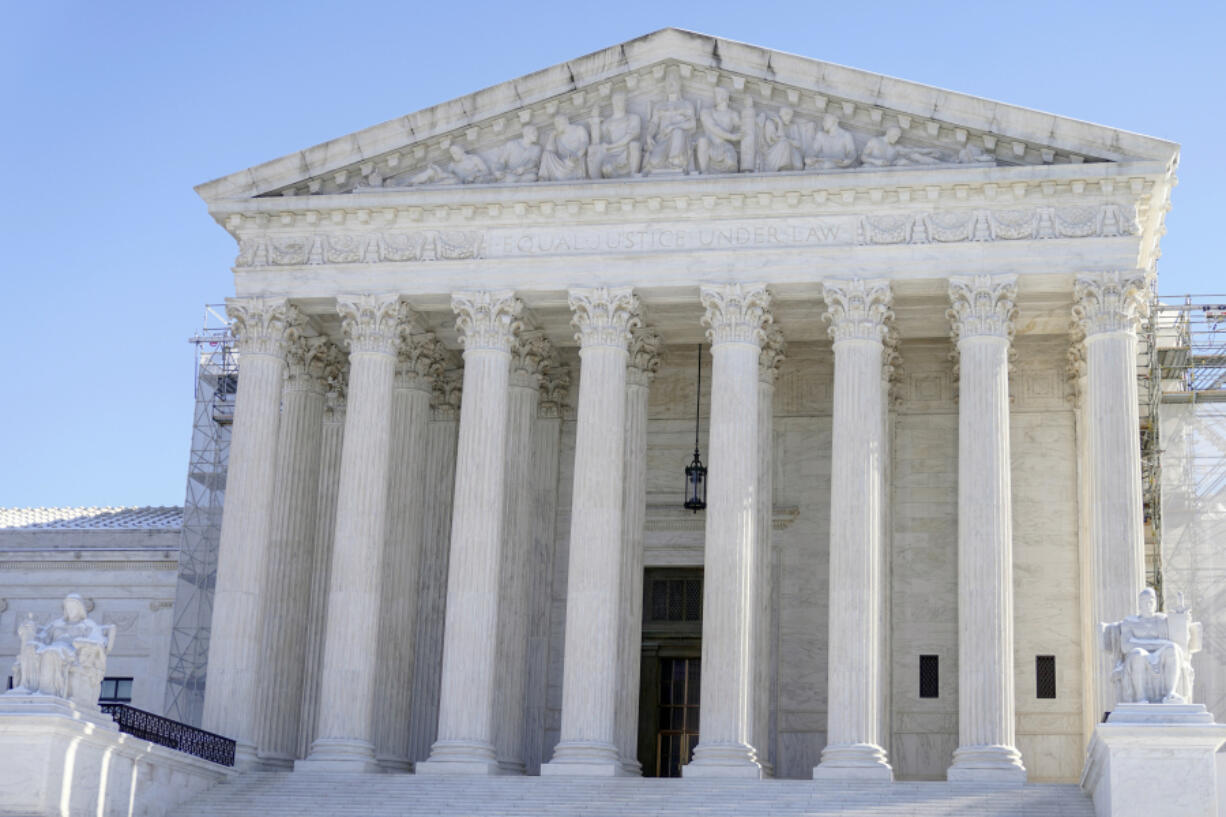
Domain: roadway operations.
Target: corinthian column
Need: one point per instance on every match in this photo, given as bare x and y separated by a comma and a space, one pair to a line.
735, 317
769, 361
351, 637
1107, 310
291, 546
587, 743
858, 312
487, 322
982, 314
418, 362
234, 648
641, 369
336, 368
530, 355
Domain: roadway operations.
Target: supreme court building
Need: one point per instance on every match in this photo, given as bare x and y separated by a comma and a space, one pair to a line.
454, 538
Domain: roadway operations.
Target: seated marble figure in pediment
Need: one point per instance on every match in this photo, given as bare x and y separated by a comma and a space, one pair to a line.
673, 130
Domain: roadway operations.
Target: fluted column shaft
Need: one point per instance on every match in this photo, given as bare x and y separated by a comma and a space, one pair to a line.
432, 579
1107, 311
331, 440
735, 317
769, 361
418, 362
644, 361
858, 313
234, 647
291, 548
465, 744
529, 357
345, 739
982, 316
586, 744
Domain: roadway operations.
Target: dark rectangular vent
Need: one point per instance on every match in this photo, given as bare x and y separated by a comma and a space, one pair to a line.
1045, 676
929, 676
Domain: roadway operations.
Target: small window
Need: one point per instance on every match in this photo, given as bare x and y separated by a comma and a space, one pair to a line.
929, 676
1045, 676
676, 599
116, 691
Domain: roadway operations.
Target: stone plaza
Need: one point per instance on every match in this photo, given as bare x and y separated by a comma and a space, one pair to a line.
479, 345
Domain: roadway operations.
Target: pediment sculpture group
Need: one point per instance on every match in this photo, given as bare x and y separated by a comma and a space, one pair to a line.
678, 137
65, 658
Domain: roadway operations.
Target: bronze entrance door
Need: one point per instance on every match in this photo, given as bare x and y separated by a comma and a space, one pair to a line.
671, 679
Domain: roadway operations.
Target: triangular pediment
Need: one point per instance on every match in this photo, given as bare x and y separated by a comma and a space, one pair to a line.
678, 104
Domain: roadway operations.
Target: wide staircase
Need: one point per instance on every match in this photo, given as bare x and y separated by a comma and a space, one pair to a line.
271, 794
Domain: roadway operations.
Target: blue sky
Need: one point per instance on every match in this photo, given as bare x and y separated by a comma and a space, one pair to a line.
116, 110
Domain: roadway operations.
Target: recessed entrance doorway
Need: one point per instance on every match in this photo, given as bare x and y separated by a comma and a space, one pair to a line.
671, 677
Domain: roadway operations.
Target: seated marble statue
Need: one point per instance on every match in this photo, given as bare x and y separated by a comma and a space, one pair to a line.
883, 151
718, 148
565, 155
1152, 653
66, 658
465, 168
832, 146
617, 149
973, 154
782, 141
520, 158
669, 128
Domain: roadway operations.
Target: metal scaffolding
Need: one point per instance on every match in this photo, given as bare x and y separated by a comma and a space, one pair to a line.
216, 384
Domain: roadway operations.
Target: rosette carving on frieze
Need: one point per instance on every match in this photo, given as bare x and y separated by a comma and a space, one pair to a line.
644, 360
982, 306
603, 316
259, 324
419, 359
487, 319
736, 313
1110, 301
774, 350
370, 322
858, 308
531, 356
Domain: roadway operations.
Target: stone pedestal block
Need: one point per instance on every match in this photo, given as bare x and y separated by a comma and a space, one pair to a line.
1150, 759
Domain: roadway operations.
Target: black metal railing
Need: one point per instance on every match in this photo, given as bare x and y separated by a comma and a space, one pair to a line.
171, 734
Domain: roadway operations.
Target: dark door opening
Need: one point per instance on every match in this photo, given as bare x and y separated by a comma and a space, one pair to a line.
671, 677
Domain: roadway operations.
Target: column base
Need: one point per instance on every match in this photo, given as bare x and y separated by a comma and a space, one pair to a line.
993, 765
854, 761
339, 755
460, 757
632, 768
583, 758
246, 759
275, 762
738, 760
394, 765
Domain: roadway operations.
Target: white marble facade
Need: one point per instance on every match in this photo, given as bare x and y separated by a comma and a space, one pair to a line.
449, 417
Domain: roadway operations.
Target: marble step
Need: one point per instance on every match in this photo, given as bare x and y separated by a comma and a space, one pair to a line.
292, 795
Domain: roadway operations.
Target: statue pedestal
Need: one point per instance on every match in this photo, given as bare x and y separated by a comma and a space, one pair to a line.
57, 758
1151, 759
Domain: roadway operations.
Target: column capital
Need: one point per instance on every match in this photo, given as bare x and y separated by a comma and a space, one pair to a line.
982, 306
306, 361
604, 316
419, 360
1110, 301
445, 399
532, 355
736, 313
644, 359
487, 319
370, 322
555, 393
260, 324
774, 349
857, 308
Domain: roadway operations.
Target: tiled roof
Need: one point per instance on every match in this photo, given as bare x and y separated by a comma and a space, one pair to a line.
144, 518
